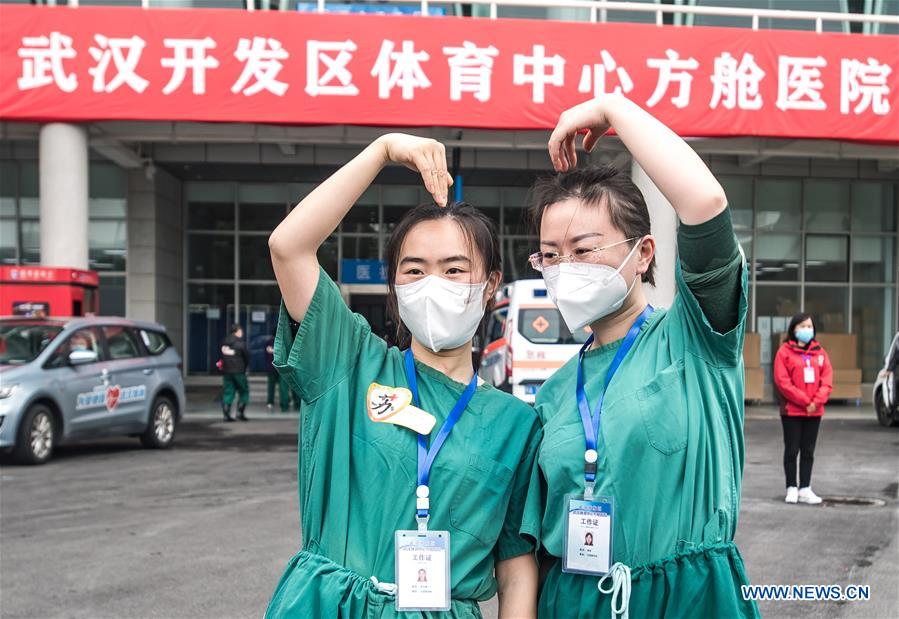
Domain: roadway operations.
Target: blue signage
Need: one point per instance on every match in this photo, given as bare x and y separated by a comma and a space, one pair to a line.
312, 7
363, 272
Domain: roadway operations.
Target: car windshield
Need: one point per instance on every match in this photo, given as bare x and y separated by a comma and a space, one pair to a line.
21, 343
544, 325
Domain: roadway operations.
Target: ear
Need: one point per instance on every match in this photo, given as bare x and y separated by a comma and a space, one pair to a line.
493, 284
645, 253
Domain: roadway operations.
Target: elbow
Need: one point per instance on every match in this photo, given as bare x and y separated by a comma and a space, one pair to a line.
716, 202
276, 246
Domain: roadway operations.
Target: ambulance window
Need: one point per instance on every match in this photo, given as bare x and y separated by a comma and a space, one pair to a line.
497, 324
120, 342
544, 325
156, 342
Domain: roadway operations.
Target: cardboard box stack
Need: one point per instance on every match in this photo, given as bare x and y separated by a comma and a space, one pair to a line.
754, 376
842, 348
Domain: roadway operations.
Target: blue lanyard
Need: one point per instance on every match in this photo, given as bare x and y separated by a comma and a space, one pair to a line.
427, 456
591, 419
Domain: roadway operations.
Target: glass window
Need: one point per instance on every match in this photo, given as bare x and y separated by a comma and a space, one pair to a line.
255, 258
776, 305
9, 188
83, 339
828, 307
31, 241
826, 205
515, 258
777, 204
297, 191
120, 342
739, 199
874, 207
777, 257
112, 295
826, 258
745, 241
210, 206
545, 326
262, 207
873, 259
268, 295
360, 247
327, 257
873, 322
515, 211
22, 343
107, 180
107, 242
29, 190
210, 256
210, 312
362, 218
8, 241
485, 199
155, 341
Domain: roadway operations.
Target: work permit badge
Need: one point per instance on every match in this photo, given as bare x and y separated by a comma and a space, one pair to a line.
588, 535
422, 565
808, 374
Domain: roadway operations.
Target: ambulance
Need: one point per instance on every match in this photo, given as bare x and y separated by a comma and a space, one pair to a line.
526, 340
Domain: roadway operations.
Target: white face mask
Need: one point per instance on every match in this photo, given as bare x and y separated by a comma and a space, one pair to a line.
585, 292
439, 313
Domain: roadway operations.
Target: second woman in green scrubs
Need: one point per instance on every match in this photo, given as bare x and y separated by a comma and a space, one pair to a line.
360, 470
648, 419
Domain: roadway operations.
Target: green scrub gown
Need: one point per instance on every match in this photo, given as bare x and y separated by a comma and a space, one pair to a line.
670, 452
357, 478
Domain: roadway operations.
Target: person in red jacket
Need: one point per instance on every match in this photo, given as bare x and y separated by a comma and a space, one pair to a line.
804, 378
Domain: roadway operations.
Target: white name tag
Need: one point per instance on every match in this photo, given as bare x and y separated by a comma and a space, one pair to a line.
422, 566
588, 535
809, 374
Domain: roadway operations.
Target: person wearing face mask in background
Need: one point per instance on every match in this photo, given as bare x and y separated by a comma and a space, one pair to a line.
643, 430
804, 378
394, 439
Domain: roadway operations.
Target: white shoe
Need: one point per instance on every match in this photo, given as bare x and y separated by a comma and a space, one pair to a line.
807, 496
792, 494
269, 406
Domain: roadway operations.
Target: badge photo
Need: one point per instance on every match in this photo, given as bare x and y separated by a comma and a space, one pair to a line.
422, 566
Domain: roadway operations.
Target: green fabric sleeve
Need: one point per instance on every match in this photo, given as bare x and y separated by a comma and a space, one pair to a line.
711, 262
514, 538
326, 346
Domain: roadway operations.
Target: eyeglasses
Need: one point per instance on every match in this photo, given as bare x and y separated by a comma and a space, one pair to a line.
542, 259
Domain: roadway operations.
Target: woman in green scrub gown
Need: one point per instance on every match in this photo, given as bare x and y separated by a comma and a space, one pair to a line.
669, 447
357, 476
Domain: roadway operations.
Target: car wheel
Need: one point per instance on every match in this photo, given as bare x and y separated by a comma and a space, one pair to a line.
884, 416
160, 432
37, 436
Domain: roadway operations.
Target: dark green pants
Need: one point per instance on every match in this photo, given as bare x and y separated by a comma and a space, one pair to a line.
285, 395
238, 383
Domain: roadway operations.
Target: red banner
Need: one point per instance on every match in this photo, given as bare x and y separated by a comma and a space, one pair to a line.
92, 63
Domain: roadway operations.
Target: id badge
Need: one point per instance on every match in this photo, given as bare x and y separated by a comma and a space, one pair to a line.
422, 565
808, 374
588, 535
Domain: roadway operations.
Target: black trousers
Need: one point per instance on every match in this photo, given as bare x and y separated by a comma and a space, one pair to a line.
800, 436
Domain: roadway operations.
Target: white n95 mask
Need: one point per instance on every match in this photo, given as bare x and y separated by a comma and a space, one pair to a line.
439, 313
585, 292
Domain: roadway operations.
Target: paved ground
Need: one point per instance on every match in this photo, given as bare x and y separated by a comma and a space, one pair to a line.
111, 530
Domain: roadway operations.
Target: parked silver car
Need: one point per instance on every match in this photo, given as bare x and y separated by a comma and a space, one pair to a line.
886, 388
66, 379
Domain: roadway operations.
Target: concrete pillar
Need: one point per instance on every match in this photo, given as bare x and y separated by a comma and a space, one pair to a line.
155, 237
63, 178
663, 221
